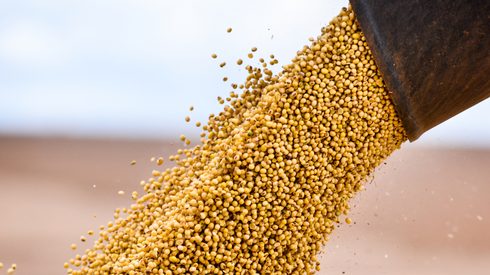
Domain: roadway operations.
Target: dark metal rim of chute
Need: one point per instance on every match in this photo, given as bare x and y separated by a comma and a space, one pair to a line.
433, 55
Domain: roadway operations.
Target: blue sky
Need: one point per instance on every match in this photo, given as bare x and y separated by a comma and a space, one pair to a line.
133, 68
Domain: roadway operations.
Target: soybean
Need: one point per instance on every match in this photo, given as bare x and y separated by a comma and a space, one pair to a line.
273, 175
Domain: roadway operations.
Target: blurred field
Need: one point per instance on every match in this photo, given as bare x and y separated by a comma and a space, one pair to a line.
427, 211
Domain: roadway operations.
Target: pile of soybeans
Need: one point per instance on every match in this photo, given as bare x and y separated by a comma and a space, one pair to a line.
273, 175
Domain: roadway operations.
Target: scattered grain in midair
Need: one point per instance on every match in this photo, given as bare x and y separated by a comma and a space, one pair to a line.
160, 161
273, 175
12, 269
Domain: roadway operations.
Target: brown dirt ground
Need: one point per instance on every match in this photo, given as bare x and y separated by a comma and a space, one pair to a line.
427, 211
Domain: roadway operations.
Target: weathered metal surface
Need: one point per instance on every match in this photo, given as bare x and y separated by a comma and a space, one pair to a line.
434, 55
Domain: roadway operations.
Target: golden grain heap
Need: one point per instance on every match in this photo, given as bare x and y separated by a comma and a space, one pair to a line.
273, 175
